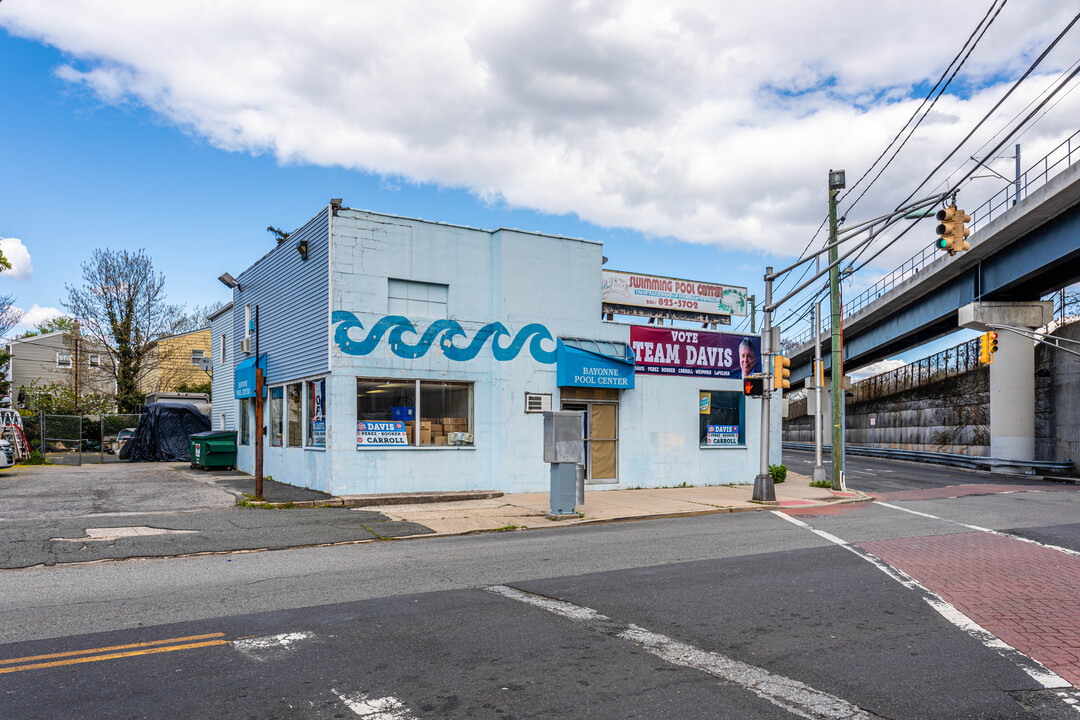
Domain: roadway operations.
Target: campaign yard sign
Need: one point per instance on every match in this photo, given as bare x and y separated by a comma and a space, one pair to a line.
371, 433
722, 435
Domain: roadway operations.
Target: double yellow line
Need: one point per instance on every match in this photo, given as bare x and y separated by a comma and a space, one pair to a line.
40, 662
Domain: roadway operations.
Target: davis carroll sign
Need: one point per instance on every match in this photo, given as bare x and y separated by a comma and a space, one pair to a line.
664, 293
694, 353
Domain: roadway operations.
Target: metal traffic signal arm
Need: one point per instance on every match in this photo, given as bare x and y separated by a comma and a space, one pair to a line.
763, 483
1054, 342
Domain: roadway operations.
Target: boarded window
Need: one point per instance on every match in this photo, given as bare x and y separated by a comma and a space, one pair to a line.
417, 299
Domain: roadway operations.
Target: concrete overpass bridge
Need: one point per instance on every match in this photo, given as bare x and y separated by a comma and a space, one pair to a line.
1019, 253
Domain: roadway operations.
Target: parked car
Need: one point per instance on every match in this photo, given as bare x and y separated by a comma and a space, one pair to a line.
7, 454
121, 439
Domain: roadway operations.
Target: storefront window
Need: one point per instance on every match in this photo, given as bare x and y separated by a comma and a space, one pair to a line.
245, 421
721, 418
295, 414
413, 413
277, 401
316, 399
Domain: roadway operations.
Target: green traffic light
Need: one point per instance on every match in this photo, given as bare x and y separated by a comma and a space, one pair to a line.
942, 243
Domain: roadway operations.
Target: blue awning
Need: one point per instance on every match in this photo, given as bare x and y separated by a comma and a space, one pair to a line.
244, 377
577, 367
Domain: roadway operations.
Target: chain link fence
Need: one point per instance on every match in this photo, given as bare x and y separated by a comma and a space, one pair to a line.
79, 440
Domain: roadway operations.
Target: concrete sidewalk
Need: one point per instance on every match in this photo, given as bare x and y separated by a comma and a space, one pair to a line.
529, 510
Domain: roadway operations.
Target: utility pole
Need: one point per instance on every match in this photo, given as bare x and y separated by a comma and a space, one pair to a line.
764, 488
836, 183
258, 414
753, 311
819, 412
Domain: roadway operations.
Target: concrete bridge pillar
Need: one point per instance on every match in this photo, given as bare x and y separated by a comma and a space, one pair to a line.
1012, 375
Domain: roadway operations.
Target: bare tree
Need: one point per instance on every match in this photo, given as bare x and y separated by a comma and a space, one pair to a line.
9, 318
122, 306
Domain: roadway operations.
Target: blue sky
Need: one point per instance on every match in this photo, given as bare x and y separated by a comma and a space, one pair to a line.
188, 130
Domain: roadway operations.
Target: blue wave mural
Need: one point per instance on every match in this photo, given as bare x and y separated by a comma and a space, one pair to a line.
445, 332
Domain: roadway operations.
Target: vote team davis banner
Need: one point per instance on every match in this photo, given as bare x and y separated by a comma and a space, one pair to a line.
694, 353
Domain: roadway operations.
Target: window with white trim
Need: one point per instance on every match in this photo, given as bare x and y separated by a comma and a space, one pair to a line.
393, 413
222, 348
316, 400
294, 413
63, 361
197, 355
277, 406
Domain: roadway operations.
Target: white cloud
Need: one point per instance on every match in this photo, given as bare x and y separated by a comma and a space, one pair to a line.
876, 369
707, 122
19, 257
33, 317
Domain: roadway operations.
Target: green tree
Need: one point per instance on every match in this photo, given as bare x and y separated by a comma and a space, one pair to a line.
59, 399
60, 323
201, 387
122, 306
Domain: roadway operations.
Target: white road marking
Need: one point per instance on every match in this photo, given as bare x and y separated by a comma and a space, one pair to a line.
1067, 551
385, 708
1038, 672
795, 697
262, 648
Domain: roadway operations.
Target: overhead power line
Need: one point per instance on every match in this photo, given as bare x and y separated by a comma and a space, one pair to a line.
986, 117
934, 89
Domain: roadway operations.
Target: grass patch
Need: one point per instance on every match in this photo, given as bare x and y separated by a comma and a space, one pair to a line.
35, 458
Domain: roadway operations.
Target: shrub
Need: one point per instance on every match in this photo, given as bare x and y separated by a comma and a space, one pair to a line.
778, 472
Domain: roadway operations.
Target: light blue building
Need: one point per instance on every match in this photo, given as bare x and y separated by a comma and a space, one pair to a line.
405, 355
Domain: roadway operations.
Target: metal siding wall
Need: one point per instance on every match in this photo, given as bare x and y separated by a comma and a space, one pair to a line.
293, 296
222, 400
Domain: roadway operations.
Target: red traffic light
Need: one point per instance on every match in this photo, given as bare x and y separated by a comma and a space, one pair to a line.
754, 386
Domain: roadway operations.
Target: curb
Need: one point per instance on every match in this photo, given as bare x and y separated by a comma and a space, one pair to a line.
657, 516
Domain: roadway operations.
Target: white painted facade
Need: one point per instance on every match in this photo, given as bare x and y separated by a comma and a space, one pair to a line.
539, 288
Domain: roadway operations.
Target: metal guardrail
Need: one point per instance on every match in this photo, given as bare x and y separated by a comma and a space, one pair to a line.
974, 462
1036, 175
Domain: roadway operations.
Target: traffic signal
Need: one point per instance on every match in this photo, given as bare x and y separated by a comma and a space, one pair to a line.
993, 338
754, 386
984, 348
952, 231
781, 373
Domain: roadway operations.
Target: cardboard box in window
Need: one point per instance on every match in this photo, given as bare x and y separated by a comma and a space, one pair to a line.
425, 436
410, 431
454, 421
436, 428
425, 425
402, 413
440, 439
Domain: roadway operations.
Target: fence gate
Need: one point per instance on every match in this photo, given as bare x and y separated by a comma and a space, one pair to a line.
75, 440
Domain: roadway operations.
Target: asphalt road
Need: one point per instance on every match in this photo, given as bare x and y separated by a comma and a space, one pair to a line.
752, 615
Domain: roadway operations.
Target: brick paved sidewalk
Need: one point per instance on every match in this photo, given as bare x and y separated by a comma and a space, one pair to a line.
1027, 595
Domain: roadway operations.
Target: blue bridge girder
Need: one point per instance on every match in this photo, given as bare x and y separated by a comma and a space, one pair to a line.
1027, 252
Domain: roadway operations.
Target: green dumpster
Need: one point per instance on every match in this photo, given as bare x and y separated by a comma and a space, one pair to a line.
213, 450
